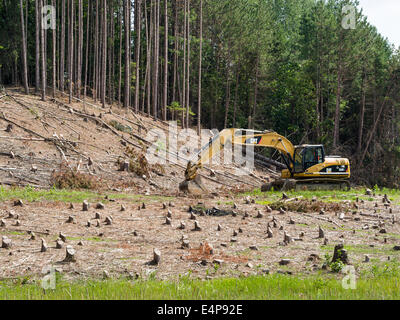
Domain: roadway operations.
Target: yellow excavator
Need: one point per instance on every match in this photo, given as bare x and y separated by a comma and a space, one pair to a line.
307, 166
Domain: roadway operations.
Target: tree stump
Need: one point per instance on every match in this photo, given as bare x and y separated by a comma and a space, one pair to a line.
44, 246
185, 244
270, 233
85, 205
71, 219
259, 214
59, 244
156, 256
62, 237
124, 166
18, 203
340, 254
197, 226
321, 233
287, 238
9, 128
100, 206
6, 242
182, 226
70, 254
108, 221
11, 215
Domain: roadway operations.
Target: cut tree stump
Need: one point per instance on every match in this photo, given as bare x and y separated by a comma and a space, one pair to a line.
340, 254
44, 246
70, 254
321, 233
156, 256
85, 205
6, 243
59, 244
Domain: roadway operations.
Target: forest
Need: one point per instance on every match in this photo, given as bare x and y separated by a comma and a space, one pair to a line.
284, 65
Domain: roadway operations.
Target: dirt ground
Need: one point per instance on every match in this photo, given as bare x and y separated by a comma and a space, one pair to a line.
126, 246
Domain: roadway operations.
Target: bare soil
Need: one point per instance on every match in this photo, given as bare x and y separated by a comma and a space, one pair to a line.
127, 245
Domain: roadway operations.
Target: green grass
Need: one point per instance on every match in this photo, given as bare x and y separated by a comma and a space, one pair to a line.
366, 249
30, 194
265, 198
382, 284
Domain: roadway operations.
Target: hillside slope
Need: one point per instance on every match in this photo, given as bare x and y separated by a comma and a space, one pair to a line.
40, 141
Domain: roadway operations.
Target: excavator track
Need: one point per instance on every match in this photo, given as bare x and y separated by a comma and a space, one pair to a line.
307, 184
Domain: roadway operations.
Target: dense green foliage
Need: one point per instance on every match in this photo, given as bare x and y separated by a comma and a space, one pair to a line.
287, 65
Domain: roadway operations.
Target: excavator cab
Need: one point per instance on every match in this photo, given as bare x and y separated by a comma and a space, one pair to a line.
307, 156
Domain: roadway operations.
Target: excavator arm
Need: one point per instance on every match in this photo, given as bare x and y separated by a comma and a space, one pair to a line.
240, 137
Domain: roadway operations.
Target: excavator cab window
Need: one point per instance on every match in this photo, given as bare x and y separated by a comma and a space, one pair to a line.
312, 156
298, 160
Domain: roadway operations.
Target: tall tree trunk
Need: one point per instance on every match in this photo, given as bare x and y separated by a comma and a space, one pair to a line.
138, 15
120, 55
43, 54
184, 66
111, 55
127, 53
200, 69
255, 92
24, 59
318, 99
53, 3
149, 49
188, 67
71, 49
62, 47
37, 47
165, 96
156, 57
227, 99
337, 110
87, 52
80, 50
96, 53
236, 97
104, 56
362, 112
175, 52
